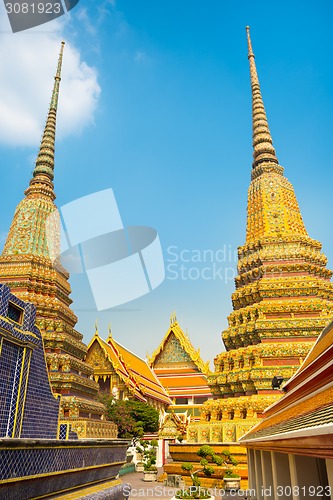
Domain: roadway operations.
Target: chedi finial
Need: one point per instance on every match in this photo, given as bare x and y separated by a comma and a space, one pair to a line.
264, 157
44, 169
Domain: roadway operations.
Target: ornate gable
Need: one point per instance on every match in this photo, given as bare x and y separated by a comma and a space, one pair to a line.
98, 360
176, 347
173, 352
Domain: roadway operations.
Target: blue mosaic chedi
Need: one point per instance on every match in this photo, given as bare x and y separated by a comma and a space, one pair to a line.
36, 457
28, 408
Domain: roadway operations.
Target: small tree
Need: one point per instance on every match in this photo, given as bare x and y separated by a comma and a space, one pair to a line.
195, 491
133, 418
145, 414
118, 412
148, 452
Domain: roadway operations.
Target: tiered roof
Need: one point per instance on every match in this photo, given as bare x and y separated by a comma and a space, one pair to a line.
179, 366
138, 377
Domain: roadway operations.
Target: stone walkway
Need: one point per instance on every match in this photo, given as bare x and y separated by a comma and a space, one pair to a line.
157, 491
138, 489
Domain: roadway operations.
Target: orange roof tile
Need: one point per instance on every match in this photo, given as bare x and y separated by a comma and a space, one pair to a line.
178, 365
133, 370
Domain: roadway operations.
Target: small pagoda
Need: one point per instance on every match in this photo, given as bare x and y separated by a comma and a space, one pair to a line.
29, 267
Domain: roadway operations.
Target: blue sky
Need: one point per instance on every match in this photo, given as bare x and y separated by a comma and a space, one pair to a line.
158, 108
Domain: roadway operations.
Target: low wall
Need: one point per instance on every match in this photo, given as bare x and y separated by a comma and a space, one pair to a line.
187, 452
92, 429
32, 468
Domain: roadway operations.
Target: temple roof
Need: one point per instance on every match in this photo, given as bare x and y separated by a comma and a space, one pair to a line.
179, 366
303, 418
133, 370
173, 425
189, 354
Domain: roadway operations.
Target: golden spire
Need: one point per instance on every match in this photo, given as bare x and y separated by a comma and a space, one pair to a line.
263, 151
173, 318
33, 231
44, 169
110, 333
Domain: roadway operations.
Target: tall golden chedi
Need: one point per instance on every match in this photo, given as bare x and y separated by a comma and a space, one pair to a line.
283, 297
27, 267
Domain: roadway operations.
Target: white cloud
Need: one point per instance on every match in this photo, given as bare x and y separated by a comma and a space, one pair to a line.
84, 18
140, 56
28, 62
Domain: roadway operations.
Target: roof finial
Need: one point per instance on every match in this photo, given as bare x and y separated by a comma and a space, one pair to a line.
44, 169
96, 326
110, 332
263, 151
173, 318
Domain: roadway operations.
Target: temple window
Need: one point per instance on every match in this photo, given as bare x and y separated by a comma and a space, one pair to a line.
15, 313
199, 400
181, 401
231, 415
241, 363
231, 364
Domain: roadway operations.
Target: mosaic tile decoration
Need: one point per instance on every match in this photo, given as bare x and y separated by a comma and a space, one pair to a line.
28, 408
173, 352
63, 428
8, 385
32, 460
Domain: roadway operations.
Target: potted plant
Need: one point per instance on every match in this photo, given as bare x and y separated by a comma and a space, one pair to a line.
150, 470
147, 449
196, 491
139, 467
231, 480
140, 448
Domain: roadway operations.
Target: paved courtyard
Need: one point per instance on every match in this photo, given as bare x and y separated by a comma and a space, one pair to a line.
157, 491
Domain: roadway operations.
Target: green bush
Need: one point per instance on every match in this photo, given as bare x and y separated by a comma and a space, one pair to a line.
208, 470
205, 450
230, 473
187, 466
218, 460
